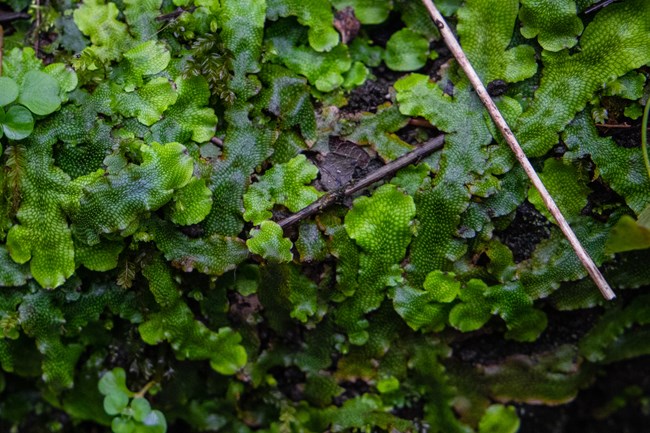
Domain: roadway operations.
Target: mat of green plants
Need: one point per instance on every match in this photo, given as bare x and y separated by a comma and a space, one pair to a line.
152, 150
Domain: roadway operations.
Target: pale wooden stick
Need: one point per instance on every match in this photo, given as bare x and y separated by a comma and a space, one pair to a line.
459, 54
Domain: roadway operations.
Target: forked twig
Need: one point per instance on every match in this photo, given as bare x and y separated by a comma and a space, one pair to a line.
463, 61
377, 175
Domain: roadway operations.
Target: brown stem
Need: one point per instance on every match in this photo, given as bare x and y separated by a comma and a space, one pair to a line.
12, 16
500, 122
377, 175
420, 122
145, 389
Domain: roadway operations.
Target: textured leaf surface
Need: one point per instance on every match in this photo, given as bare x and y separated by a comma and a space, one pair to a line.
188, 118
485, 28
283, 184
211, 255
406, 51
621, 168
367, 11
613, 44
98, 20
323, 69
115, 203
191, 339
315, 14
268, 242
381, 226
555, 23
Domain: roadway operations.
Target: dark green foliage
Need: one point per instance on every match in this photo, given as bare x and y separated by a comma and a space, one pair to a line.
142, 246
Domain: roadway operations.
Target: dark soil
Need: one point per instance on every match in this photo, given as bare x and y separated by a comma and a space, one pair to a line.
524, 233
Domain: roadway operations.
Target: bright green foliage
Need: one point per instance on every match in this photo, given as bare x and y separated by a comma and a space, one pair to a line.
39, 92
406, 51
191, 203
148, 58
442, 286
344, 249
613, 44
499, 419
141, 16
485, 28
132, 412
42, 234
427, 308
411, 178
188, 118
267, 241
17, 122
367, 11
628, 234
211, 255
621, 168
284, 184
378, 130
381, 226
555, 23
286, 95
245, 147
161, 284
474, 311
566, 184
109, 36
315, 14
149, 102
243, 27
508, 301
629, 86
323, 69
145, 243
100, 257
115, 203
191, 339
9, 91
18, 62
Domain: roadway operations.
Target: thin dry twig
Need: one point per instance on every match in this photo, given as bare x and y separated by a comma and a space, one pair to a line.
216, 141
377, 175
614, 126
463, 61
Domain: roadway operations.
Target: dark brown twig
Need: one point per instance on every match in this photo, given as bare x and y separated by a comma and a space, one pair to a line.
12, 16
615, 126
377, 175
457, 51
414, 121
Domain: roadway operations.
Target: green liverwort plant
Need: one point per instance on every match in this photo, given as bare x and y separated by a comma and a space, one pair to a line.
131, 411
